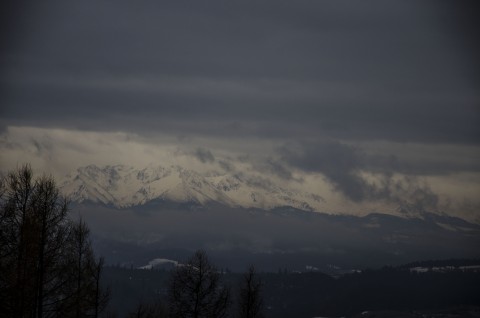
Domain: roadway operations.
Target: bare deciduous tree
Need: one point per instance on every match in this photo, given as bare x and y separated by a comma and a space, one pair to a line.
81, 293
101, 296
196, 290
250, 300
36, 245
50, 227
15, 267
33, 221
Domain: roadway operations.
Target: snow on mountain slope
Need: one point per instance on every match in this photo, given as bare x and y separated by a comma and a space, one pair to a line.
124, 186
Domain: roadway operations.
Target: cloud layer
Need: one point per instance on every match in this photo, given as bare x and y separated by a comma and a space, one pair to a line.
371, 102
400, 71
349, 178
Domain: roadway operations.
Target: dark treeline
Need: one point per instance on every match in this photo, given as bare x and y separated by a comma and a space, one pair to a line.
195, 289
443, 263
47, 265
310, 294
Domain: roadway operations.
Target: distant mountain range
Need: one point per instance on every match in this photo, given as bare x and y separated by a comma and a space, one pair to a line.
166, 212
125, 186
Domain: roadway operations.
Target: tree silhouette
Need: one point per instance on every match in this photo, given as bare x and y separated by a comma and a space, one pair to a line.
101, 296
82, 295
17, 244
36, 245
196, 290
250, 300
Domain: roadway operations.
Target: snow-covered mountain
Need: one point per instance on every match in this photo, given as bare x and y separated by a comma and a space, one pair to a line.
272, 232
125, 186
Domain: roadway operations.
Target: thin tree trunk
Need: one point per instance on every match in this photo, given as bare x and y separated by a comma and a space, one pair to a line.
97, 287
41, 264
79, 278
22, 261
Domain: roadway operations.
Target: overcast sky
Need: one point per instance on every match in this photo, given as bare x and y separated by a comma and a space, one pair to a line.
346, 90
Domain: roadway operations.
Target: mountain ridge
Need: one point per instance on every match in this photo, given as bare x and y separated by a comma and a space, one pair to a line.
125, 186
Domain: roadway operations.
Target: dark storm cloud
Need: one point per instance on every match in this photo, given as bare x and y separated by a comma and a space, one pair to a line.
337, 158
204, 155
226, 165
277, 168
394, 70
342, 165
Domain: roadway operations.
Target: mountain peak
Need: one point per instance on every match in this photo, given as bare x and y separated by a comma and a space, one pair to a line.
125, 186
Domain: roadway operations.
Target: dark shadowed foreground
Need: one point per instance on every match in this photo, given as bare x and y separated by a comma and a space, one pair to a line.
279, 238
444, 290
